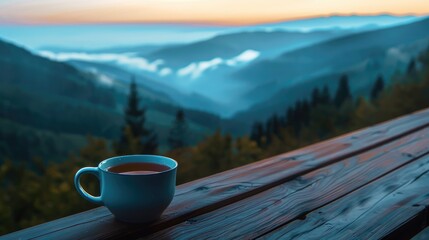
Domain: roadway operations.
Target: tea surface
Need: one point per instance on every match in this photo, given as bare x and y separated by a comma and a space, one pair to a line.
138, 168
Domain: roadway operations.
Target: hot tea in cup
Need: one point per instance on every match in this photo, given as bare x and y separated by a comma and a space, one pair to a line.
137, 168
135, 188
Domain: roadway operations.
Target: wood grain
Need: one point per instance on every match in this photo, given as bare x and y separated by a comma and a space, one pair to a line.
393, 207
210, 193
268, 210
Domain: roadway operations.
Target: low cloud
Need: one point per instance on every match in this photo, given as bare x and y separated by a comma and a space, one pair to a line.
196, 69
397, 54
130, 61
124, 60
246, 56
101, 77
165, 72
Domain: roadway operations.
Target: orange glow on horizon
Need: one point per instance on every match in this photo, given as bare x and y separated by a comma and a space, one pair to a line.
238, 22
212, 12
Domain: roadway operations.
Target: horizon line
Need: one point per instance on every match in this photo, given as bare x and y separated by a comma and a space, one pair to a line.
212, 23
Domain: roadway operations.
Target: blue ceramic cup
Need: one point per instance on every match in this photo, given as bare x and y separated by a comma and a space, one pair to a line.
132, 198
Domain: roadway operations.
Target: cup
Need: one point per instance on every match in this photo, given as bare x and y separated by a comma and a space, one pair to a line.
132, 198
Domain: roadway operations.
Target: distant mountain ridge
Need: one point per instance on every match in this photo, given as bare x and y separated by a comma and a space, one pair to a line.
342, 22
362, 55
232, 44
209, 74
210, 60
349, 49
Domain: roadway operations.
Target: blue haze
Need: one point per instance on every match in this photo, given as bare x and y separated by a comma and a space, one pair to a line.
96, 36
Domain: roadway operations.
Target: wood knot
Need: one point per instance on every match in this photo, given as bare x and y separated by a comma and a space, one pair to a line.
363, 201
345, 210
191, 221
409, 155
290, 158
202, 188
238, 187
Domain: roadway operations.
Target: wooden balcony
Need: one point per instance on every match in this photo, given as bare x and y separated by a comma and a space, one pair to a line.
369, 184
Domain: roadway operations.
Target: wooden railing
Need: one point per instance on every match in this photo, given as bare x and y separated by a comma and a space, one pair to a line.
320, 190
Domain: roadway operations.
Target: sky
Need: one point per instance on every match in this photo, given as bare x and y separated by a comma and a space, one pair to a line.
217, 12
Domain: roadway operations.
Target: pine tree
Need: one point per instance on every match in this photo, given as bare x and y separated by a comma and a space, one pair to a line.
411, 66
377, 88
257, 133
343, 91
134, 132
316, 97
134, 115
326, 97
305, 112
297, 117
150, 143
275, 125
289, 116
177, 138
268, 131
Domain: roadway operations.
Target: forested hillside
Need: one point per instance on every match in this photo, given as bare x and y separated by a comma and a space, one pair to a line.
52, 106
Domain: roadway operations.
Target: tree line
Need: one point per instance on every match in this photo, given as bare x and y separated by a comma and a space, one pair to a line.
299, 115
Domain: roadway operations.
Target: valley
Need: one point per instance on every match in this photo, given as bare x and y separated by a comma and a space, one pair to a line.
225, 82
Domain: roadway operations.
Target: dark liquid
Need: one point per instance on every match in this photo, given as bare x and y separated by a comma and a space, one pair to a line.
138, 168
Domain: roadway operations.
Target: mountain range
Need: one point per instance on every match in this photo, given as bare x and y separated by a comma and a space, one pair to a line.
208, 75
226, 81
361, 55
202, 75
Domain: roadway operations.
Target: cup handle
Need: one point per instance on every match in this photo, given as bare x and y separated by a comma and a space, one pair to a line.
91, 170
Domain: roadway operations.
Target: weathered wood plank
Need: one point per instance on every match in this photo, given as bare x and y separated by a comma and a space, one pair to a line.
207, 194
393, 207
268, 210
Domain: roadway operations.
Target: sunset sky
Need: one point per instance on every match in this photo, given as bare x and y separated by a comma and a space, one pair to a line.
222, 12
